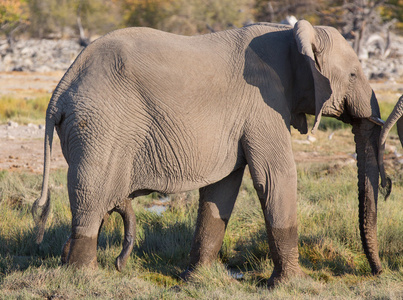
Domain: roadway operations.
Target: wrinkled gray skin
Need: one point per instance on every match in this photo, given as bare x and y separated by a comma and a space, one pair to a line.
142, 110
395, 117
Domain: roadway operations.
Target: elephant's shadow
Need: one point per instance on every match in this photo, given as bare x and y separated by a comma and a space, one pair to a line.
160, 247
20, 251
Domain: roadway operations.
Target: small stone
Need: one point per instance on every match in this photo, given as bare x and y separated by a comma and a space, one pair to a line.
12, 124
302, 142
311, 138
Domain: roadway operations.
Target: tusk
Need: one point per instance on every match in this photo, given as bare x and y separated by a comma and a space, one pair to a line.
377, 121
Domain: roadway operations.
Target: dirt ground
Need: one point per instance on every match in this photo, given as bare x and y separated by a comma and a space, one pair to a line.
21, 146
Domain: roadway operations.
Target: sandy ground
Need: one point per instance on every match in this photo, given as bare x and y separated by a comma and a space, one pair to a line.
21, 147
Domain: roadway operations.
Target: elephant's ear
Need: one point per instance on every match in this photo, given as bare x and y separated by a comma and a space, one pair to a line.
399, 125
298, 121
307, 43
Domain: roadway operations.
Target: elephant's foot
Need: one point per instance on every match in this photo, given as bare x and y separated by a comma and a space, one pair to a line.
83, 252
120, 262
65, 251
281, 277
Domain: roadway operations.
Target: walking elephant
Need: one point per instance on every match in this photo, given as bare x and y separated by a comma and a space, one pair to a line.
142, 110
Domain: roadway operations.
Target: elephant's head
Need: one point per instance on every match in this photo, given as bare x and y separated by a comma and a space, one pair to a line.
341, 90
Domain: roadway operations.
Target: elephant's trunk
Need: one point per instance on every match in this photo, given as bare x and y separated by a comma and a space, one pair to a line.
366, 135
392, 119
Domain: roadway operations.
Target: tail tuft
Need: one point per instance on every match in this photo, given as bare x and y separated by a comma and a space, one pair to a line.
40, 214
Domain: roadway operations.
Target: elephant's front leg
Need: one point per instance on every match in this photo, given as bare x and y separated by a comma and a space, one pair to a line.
280, 213
215, 208
273, 170
277, 191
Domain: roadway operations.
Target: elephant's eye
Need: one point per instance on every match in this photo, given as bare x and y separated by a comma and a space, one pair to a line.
353, 76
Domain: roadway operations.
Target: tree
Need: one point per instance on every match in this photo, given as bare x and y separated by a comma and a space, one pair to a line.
59, 17
360, 21
276, 11
187, 16
13, 16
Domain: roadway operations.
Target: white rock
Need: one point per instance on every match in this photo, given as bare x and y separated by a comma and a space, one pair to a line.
311, 138
12, 124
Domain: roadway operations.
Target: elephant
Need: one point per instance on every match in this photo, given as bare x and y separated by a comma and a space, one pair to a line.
395, 117
141, 110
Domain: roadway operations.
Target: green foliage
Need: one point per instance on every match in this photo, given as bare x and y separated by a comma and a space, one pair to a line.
13, 13
187, 16
393, 9
278, 10
60, 17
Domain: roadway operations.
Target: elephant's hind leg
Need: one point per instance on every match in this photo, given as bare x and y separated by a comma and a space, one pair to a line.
67, 244
129, 221
215, 207
86, 221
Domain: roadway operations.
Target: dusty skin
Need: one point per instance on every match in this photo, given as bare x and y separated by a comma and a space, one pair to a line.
21, 147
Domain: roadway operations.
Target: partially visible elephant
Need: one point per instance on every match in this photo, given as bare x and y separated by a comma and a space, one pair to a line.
394, 118
142, 110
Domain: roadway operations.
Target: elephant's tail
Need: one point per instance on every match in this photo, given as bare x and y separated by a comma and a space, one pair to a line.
41, 207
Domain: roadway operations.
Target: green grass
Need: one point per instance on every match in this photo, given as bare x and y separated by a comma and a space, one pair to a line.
329, 246
23, 111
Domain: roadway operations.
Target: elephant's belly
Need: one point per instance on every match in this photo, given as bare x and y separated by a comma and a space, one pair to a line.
174, 178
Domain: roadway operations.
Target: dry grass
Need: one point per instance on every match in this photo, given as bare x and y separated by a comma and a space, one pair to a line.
329, 246
22, 110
